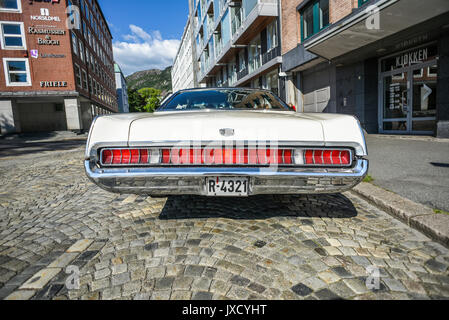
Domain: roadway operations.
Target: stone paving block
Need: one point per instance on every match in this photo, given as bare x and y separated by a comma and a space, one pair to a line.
64, 260
21, 295
80, 245
273, 252
40, 279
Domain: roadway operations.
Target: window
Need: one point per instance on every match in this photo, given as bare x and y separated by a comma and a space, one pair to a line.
12, 35
75, 44
17, 72
90, 85
272, 41
85, 85
78, 75
11, 5
362, 2
81, 51
314, 18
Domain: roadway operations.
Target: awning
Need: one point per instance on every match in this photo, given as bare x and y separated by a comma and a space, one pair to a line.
352, 33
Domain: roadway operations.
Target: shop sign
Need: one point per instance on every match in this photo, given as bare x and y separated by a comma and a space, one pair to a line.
51, 55
48, 41
44, 1
412, 57
53, 84
45, 16
57, 32
34, 54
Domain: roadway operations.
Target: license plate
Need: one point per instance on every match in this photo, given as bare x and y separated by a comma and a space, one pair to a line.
227, 186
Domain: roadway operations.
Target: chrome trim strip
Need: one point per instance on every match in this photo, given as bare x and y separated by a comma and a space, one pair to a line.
101, 173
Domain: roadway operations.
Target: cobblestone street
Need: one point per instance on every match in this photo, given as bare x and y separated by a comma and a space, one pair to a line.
136, 247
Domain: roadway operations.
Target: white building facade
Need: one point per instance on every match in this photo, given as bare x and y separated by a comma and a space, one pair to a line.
122, 90
183, 75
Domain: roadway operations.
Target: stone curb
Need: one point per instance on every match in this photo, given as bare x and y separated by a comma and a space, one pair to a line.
406, 137
417, 216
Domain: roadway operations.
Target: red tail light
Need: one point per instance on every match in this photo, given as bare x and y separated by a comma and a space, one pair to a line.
226, 156
327, 157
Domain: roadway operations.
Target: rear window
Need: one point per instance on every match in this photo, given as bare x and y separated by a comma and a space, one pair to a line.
224, 99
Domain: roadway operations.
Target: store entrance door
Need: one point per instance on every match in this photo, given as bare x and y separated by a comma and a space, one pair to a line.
408, 98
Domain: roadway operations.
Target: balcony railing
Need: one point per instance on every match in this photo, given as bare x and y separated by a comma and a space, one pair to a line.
270, 55
242, 73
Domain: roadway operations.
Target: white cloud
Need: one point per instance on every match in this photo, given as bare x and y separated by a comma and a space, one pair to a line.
141, 50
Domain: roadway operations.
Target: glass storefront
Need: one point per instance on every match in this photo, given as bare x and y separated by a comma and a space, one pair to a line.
408, 93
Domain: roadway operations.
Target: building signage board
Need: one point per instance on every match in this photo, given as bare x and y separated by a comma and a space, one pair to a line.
53, 84
57, 32
48, 41
410, 58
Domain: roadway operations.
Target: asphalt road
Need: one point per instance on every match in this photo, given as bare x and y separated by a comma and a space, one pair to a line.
415, 169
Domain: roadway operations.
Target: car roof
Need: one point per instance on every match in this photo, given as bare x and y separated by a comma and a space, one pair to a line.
222, 88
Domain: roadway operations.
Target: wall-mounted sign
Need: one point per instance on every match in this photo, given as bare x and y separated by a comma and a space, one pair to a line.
45, 16
409, 58
34, 54
413, 57
56, 32
51, 55
53, 84
48, 41
44, 1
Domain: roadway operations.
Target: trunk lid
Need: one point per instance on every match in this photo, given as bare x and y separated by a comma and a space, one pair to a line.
206, 125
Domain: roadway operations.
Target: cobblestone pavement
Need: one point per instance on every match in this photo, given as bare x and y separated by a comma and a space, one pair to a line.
136, 247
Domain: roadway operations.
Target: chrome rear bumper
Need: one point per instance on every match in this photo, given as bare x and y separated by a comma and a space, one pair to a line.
192, 180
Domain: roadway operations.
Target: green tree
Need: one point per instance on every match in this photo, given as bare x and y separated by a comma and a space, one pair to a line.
136, 101
152, 98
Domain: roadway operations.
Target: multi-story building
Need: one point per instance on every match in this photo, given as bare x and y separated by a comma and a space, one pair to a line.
237, 43
57, 69
385, 61
183, 75
122, 90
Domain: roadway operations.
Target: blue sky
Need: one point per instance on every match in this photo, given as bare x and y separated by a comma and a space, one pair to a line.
146, 33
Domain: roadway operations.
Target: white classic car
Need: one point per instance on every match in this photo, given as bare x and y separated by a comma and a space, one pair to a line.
226, 142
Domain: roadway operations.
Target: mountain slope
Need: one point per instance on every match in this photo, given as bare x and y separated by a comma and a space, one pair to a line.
154, 78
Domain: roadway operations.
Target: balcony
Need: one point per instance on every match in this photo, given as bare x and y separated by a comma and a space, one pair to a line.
271, 54
242, 73
263, 13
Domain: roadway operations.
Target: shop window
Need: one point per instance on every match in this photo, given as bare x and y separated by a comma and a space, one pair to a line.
314, 18
432, 71
11, 5
418, 73
12, 35
17, 72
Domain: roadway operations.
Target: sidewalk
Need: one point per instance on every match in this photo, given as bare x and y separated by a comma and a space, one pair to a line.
31, 143
43, 137
414, 167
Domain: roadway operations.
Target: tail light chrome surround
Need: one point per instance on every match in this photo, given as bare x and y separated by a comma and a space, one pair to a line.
185, 156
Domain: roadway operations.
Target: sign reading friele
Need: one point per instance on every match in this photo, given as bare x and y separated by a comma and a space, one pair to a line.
53, 84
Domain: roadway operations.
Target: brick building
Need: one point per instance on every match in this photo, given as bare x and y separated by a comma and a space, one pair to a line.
385, 61
57, 69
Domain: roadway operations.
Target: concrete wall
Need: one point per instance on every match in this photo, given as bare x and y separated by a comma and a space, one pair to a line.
318, 88
9, 117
